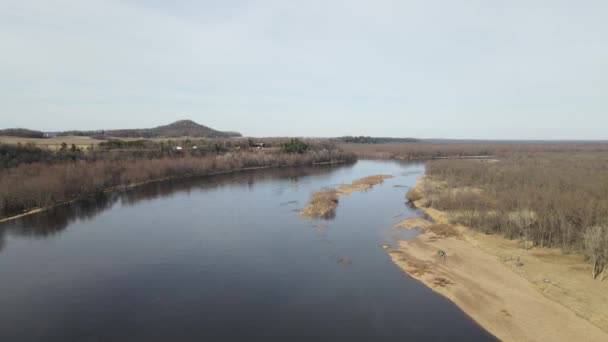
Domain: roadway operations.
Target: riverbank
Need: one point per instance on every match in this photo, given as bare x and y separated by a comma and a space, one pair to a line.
35, 210
517, 294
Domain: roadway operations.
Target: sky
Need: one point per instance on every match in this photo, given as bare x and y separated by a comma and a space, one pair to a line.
430, 69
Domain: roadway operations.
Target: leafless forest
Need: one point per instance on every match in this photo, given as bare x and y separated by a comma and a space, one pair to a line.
455, 149
33, 178
545, 198
549, 194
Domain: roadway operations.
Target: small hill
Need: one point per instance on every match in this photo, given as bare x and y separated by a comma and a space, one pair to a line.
21, 133
182, 128
190, 128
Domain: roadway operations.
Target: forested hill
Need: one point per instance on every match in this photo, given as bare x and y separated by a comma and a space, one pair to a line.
182, 128
21, 133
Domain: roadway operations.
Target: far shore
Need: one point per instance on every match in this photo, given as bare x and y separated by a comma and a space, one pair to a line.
517, 294
130, 186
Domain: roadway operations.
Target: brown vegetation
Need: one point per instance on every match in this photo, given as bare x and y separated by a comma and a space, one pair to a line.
42, 184
443, 230
546, 199
465, 149
52, 143
413, 222
595, 240
413, 195
362, 184
321, 204
21, 133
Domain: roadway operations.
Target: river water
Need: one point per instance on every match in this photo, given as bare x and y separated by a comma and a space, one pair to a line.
223, 258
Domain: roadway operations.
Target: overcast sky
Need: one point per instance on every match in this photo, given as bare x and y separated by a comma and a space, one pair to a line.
446, 69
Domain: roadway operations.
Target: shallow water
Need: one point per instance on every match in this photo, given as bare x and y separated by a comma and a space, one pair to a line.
223, 258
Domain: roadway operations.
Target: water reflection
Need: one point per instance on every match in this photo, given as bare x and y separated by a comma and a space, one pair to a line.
51, 222
226, 262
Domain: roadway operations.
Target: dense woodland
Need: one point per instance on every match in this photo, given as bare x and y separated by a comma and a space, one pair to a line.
22, 133
547, 199
32, 177
373, 140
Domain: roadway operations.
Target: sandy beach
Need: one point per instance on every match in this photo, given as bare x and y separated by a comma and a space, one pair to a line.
517, 294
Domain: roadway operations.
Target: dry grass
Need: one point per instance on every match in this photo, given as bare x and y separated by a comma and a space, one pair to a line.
321, 204
413, 223
413, 195
441, 282
465, 149
490, 273
443, 230
40, 185
362, 184
372, 180
53, 143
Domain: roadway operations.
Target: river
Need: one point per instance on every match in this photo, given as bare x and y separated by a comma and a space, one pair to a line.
223, 258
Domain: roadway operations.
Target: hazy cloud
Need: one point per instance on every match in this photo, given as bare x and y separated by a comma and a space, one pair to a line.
478, 69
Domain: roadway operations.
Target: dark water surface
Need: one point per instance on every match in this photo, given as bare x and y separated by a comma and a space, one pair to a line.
223, 258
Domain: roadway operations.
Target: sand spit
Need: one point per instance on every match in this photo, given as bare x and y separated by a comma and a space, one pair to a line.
323, 203
362, 184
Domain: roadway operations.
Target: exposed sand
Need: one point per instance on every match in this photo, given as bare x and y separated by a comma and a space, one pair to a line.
516, 294
30, 212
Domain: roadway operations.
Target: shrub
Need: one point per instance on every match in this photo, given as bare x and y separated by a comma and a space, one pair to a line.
413, 195
294, 146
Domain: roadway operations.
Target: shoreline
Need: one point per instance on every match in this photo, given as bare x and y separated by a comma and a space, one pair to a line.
515, 294
134, 185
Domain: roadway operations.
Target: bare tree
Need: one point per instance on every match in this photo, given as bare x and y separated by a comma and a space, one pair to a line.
605, 251
594, 238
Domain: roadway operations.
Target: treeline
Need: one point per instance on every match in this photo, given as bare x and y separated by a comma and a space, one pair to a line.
12, 155
21, 133
373, 140
547, 199
455, 149
41, 184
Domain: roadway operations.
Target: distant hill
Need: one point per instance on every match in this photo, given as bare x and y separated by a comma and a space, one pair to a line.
182, 128
21, 133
